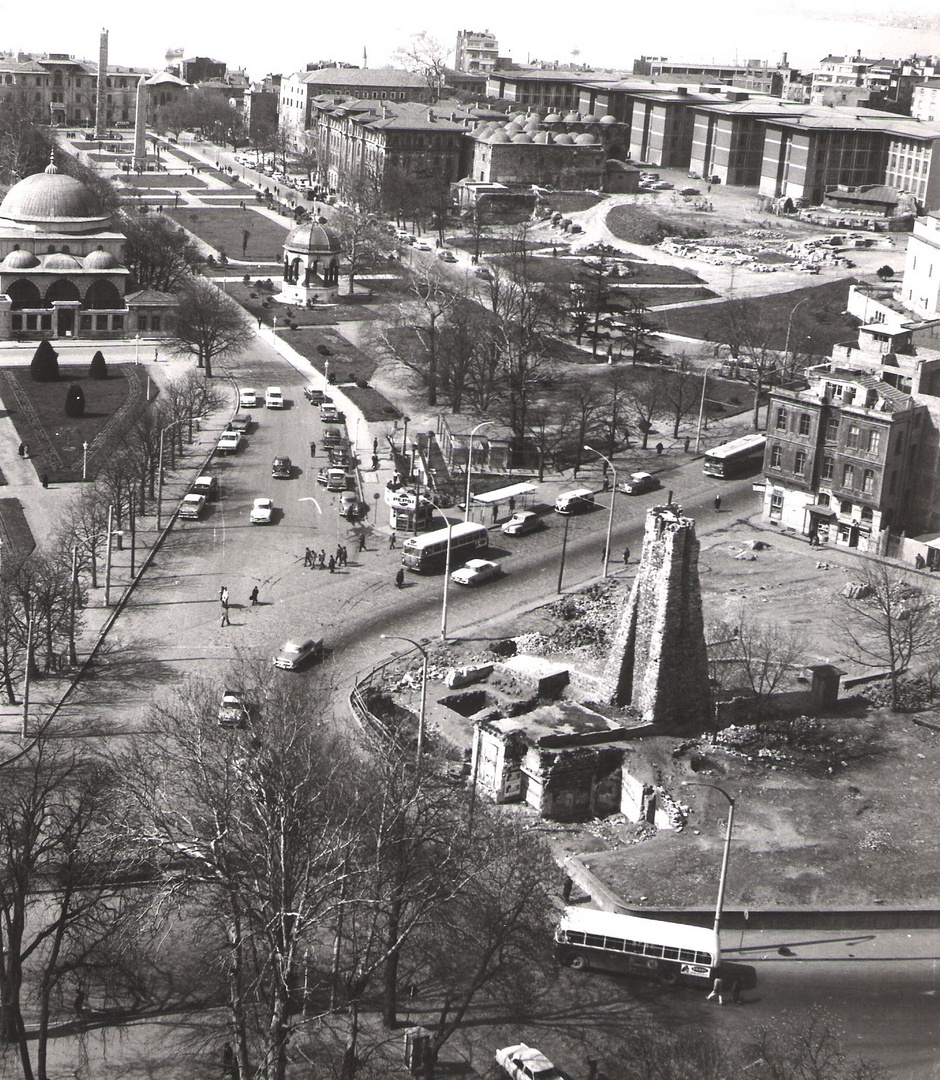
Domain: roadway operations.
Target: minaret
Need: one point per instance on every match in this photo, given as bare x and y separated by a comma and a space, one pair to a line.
140, 125
365, 57
101, 115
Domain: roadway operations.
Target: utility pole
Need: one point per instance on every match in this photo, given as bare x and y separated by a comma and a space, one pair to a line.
107, 565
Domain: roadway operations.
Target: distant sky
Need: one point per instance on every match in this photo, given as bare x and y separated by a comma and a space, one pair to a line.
609, 33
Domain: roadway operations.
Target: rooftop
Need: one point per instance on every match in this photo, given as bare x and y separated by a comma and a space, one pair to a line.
363, 77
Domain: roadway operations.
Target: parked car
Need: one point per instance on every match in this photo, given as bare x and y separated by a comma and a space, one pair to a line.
294, 654
422, 246
349, 504
638, 483
334, 418
338, 455
240, 422
476, 572
192, 505
314, 395
526, 1063
247, 398
663, 185
333, 477
522, 522
447, 256
282, 468
233, 712
481, 271
205, 486
261, 512
230, 443
334, 437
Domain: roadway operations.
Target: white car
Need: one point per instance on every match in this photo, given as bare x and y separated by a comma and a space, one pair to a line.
233, 712
247, 398
526, 1063
639, 483
522, 522
273, 398
293, 654
476, 572
192, 505
422, 246
261, 511
230, 443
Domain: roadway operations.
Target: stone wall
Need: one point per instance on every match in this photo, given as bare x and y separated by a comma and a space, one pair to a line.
658, 661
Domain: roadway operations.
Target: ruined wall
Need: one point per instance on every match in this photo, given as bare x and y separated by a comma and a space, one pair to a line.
658, 662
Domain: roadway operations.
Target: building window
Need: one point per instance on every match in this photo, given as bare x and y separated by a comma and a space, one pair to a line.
832, 429
154, 322
852, 439
781, 419
848, 476
845, 507
868, 481
776, 505
822, 499
868, 514
874, 441
775, 455
804, 423
828, 468
141, 322
799, 463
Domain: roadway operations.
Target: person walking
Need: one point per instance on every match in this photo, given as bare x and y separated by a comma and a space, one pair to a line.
362, 541
391, 542
339, 554
344, 556
313, 448
717, 504
685, 448
717, 992
44, 480
22, 449
400, 579
223, 596
253, 596
626, 556
332, 564
375, 445
224, 621
375, 462
308, 557
321, 559
512, 505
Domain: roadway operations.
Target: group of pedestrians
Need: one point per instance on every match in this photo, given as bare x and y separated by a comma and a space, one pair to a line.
317, 560
223, 600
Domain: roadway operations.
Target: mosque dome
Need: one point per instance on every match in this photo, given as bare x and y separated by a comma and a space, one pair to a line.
542, 137
98, 260
312, 237
20, 260
553, 118
61, 261
608, 119
572, 117
52, 201
522, 137
499, 136
585, 139
564, 139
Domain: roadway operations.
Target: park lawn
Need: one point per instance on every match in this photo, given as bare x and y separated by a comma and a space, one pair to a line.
652, 297
222, 228
819, 323
54, 439
652, 273
160, 180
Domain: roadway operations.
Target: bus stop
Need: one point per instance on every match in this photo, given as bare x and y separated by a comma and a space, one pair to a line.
515, 497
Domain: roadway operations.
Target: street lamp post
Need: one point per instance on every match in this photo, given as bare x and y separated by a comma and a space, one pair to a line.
466, 505
610, 512
424, 685
163, 432
701, 408
727, 849
85, 460
786, 347
450, 532
136, 349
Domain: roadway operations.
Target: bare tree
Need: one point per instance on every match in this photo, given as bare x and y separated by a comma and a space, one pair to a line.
635, 326
646, 400
365, 243
209, 325
427, 57
889, 624
681, 391
805, 1046
158, 253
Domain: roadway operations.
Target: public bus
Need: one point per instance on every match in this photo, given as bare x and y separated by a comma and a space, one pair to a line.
427, 553
669, 952
735, 457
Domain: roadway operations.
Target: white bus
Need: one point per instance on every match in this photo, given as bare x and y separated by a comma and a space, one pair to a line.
667, 951
735, 457
429, 552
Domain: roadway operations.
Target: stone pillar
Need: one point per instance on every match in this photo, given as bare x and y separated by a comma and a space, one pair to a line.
658, 662
140, 126
101, 97
6, 317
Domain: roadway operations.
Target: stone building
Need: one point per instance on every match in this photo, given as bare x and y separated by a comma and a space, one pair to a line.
476, 51
658, 661
61, 262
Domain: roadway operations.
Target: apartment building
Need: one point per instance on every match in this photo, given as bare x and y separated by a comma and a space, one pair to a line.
476, 51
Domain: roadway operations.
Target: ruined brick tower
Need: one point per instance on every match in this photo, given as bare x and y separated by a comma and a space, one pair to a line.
658, 662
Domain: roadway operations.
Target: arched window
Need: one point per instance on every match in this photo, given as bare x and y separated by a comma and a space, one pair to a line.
24, 294
102, 294
63, 289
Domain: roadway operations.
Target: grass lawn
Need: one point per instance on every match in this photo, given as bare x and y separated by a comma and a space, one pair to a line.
222, 229
573, 202
14, 528
54, 439
649, 273
653, 296
160, 180
817, 325
490, 245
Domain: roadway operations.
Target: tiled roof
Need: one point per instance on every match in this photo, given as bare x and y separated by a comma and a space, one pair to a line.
363, 77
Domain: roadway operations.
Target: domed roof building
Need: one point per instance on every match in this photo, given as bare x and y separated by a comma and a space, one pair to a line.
311, 265
61, 262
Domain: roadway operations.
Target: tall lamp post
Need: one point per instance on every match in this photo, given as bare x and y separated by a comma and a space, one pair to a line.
424, 684
450, 533
786, 347
163, 432
466, 505
727, 849
701, 408
610, 512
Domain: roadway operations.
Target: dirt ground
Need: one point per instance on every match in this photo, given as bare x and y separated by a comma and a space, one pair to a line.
839, 811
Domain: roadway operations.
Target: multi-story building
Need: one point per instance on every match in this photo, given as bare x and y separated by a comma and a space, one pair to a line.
757, 76
365, 84
920, 289
200, 69
857, 80
853, 459
925, 100
728, 136
551, 89
477, 50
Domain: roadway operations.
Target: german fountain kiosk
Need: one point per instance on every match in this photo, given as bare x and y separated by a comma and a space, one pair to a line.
311, 266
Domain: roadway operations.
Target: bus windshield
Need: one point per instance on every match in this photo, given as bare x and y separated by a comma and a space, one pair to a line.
429, 552
735, 457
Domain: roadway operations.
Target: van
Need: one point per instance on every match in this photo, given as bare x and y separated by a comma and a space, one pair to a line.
273, 398
574, 502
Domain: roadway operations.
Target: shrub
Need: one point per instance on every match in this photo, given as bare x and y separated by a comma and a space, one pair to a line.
44, 366
98, 368
323, 350
75, 401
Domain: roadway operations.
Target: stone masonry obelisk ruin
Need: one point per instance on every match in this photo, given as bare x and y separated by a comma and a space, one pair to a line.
658, 662
101, 112
140, 126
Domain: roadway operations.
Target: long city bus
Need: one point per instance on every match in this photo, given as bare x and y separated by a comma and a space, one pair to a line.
735, 457
427, 553
666, 951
